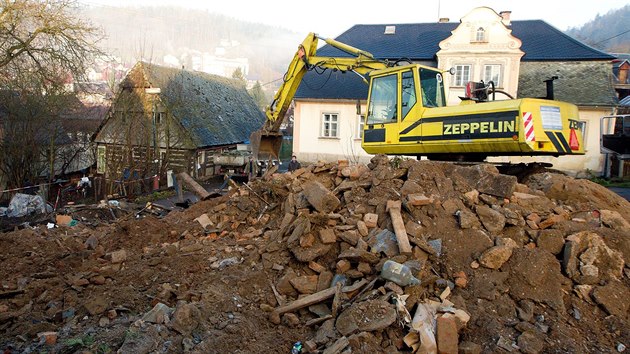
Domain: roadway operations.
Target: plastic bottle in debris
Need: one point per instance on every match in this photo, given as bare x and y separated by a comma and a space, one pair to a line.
398, 273
297, 348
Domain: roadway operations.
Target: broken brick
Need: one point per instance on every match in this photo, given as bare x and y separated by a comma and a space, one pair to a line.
418, 199
316, 267
327, 235
362, 228
343, 266
447, 338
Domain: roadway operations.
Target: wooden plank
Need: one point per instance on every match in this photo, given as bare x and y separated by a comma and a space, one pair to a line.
336, 300
339, 345
318, 320
394, 206
190, 183
317, 297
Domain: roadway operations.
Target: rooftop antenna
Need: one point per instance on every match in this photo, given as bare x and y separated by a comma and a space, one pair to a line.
438, 15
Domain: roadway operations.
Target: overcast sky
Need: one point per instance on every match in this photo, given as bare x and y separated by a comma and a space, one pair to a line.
333, 19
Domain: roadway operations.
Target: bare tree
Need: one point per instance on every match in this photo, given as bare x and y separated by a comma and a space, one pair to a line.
44, 38
43, 48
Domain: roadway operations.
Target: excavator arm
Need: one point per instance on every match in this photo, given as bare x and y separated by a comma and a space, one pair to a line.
267, 141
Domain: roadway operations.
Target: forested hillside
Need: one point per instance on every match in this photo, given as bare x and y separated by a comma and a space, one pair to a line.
153, 32
609, 32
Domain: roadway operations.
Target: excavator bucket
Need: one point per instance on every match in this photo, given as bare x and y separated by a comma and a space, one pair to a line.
266, 145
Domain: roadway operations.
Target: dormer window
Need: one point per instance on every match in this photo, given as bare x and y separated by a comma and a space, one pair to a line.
480, 35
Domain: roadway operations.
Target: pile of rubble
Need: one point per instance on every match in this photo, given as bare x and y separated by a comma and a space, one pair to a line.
396, 256
457, 224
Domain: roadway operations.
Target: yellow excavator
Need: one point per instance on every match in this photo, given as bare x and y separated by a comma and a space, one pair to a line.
407, 112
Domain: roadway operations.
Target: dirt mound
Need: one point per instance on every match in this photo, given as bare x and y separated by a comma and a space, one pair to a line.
535, 267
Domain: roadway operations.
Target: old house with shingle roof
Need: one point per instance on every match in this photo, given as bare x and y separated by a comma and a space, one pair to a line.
172, 119
517, 55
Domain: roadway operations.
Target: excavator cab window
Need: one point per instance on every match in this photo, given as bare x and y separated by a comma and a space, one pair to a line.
382, 105
432, 87
408, 93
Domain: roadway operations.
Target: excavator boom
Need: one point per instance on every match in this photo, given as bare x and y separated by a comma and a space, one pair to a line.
266, 142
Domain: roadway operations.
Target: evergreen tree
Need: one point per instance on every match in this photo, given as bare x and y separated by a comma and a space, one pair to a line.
259, 95
238, 75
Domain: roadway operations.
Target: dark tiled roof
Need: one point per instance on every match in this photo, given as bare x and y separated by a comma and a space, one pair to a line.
332, 85
543, 42
214, 109
420, 42
417, 41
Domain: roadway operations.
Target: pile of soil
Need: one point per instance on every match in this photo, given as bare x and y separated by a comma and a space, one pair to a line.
535, 266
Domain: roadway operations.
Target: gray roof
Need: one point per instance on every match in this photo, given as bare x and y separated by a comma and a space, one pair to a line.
215, 110
586, 83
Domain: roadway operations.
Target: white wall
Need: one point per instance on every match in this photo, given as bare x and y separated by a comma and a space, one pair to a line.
499, 48
309, 146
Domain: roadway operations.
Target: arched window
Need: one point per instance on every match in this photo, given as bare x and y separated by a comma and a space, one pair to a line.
481, 35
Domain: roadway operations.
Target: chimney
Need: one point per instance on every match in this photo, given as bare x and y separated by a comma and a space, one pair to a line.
505, 17
443, 20
549, 82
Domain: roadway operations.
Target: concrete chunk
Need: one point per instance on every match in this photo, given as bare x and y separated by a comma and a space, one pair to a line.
320, 197
306, 284
495, 257
491, 219
370, 220
371, 315
613, 298
486, 179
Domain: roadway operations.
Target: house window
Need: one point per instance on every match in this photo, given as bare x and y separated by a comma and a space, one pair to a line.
480, 35
360, 125
492, 73
584, 127
462, 75
159, 117
329, 125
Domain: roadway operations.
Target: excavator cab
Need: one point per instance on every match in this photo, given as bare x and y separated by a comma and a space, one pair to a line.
402, 90
397, 97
